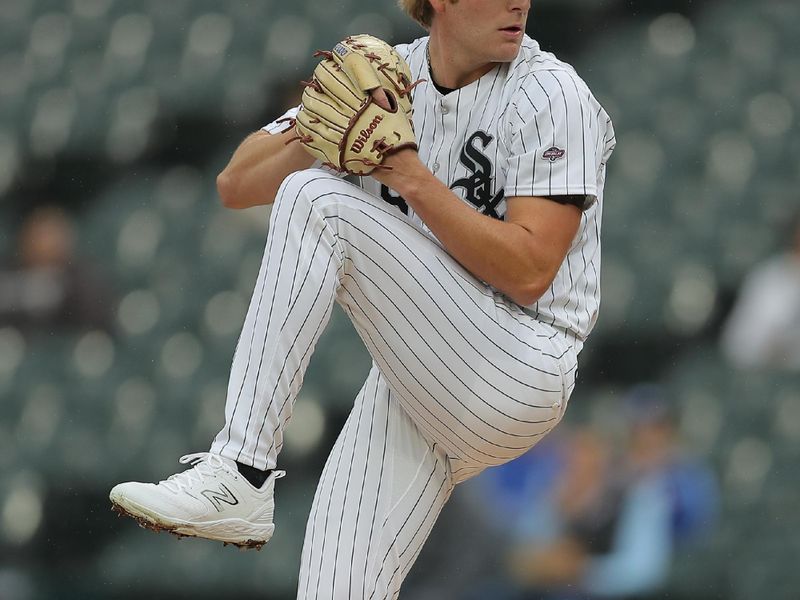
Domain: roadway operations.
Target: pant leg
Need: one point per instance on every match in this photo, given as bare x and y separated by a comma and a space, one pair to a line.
380, 493
477, 375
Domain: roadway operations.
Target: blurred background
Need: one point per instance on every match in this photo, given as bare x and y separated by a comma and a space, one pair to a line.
123, 285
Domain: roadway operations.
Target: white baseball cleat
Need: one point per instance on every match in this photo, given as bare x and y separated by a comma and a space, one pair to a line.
210, 500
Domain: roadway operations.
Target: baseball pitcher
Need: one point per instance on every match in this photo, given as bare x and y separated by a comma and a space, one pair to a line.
467, 258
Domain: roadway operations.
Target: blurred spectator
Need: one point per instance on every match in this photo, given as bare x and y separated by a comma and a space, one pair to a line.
655, 452
763, 329
608, 524
45, 287
574, 525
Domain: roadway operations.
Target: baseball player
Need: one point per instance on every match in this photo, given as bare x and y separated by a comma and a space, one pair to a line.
468, 261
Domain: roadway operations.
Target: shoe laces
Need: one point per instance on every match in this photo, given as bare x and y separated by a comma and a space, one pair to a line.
204, 464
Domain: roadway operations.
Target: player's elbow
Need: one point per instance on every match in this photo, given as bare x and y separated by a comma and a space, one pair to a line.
526, 297
528, 290
228, 190
527, 294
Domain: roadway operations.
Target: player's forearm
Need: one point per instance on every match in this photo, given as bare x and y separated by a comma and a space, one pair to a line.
504, 255
258, 167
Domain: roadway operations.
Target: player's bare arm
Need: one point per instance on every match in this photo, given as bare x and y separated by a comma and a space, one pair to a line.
519, 256
257, 168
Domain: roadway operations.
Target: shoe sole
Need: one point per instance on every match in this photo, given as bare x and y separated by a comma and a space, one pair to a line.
155, 522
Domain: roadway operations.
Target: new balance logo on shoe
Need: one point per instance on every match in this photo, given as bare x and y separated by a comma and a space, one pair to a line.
223, 494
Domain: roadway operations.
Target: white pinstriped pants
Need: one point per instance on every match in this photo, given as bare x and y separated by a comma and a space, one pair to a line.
461, 379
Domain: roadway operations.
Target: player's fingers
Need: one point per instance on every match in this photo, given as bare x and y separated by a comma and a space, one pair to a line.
379, 96
357, 66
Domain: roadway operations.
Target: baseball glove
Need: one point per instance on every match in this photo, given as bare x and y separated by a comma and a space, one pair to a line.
340, 123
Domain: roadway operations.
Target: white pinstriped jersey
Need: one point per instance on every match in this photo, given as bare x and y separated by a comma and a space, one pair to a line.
530, 127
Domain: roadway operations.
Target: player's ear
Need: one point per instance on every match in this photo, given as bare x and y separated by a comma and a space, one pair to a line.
438, 6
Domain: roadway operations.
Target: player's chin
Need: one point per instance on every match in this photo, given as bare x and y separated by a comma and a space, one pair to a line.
507, 52
508, 49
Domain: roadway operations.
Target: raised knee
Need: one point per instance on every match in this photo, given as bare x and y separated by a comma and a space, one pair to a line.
308, 181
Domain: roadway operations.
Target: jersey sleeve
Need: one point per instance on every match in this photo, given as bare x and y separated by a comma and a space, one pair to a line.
279, 125
404, 50
552, 138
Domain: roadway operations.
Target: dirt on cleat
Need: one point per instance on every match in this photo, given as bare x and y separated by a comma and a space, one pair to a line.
144, 523
251, 545
121, 512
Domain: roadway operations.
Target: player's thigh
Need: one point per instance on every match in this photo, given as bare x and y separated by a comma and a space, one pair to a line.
477, 374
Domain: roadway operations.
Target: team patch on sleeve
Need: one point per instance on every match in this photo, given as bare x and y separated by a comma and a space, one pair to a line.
553, 154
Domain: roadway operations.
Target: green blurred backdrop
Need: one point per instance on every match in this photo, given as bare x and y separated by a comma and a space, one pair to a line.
121, 113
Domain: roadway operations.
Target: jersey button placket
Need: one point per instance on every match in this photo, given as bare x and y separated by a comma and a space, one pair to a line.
444, 110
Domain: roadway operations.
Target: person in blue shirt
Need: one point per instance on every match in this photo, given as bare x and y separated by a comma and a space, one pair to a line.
608, 523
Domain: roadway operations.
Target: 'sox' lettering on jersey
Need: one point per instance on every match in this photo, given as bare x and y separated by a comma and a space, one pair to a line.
477, 187
223, 494
363, 137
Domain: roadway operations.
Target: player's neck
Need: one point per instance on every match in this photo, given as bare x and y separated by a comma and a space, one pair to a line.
453, 69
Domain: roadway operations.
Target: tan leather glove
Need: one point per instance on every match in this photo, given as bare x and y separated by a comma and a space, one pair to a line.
340, 123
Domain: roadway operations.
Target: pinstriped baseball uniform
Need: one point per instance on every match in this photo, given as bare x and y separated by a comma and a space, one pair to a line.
462, 378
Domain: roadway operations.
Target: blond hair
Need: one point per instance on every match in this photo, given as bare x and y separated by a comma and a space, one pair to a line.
419, 10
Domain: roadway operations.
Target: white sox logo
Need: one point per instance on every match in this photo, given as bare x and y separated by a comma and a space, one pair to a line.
478, 185
363, 137
223, 494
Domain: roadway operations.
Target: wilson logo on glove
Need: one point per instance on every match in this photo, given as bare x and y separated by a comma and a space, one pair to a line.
365, 134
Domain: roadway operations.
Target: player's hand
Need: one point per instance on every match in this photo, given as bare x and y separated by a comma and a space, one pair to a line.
400, 169
380, 98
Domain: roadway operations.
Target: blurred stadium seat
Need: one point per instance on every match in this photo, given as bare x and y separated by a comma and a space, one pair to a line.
743, 423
